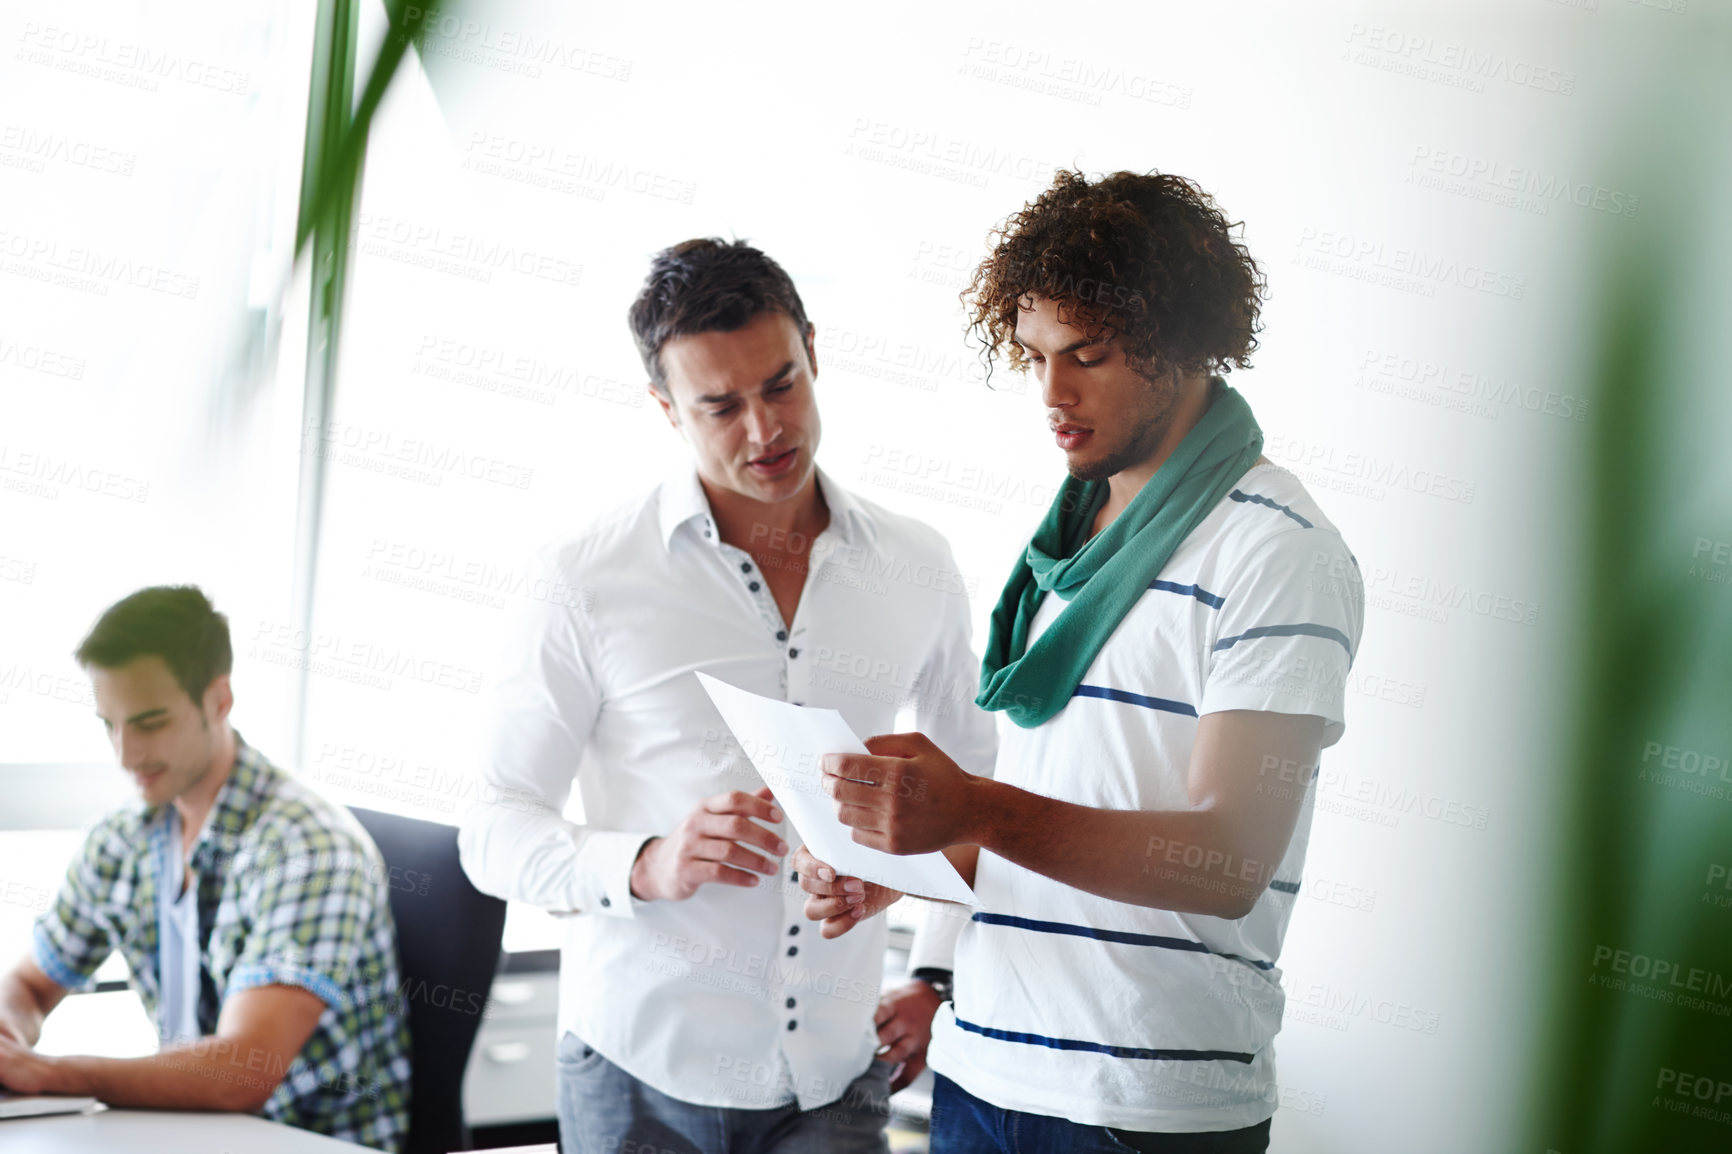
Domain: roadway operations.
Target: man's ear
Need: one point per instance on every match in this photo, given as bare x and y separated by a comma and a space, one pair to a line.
666, 402
812, 348
219, 698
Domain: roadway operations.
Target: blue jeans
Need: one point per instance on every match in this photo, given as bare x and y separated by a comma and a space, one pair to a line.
963, 1124
604, 1110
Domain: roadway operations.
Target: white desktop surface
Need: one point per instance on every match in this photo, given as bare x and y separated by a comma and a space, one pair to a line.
161, 1132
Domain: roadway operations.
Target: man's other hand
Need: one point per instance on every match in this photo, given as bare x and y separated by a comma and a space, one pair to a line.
904, 1023
710, 845
838, 902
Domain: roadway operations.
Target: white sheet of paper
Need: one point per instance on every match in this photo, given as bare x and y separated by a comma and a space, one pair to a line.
785, 743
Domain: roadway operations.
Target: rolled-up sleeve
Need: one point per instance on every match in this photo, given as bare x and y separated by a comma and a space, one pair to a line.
515, 841
312, 897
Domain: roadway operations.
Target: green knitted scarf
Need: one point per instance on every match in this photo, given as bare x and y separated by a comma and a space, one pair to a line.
1100, 579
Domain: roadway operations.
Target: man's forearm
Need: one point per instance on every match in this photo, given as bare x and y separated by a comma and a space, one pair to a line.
1183, 860
208, 1074
20, 1012
964, 858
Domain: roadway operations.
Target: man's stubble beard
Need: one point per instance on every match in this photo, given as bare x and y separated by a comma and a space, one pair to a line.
1154, 419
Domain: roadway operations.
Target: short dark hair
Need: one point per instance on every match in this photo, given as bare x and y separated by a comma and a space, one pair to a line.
706, 285
1146, 256
173, 622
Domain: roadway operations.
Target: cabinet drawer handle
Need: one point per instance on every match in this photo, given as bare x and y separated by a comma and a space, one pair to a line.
507, 1051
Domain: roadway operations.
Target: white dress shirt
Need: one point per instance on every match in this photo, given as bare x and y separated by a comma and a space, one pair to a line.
730, 998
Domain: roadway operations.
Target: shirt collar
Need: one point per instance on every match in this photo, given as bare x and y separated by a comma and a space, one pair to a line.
853, 526
682, 501
238, 802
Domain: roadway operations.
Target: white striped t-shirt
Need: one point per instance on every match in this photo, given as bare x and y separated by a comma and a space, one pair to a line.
1111, 1014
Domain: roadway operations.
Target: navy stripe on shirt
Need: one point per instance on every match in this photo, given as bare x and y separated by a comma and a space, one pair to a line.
1212, 600
1259, 499
1122, 937
1327, 632
1102, 1048
1130, 698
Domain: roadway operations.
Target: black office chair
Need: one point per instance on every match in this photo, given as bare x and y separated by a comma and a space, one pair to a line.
448, 935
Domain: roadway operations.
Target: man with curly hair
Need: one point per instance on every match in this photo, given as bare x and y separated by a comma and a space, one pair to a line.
1137, 852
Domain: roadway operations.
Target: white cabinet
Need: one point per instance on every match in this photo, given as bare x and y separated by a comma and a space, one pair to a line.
511, 1069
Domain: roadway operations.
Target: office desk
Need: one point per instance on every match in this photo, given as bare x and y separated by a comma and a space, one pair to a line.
161, 1132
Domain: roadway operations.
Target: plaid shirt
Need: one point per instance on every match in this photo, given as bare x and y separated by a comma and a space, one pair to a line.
291, 892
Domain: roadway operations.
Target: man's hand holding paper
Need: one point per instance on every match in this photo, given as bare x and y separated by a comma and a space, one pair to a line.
788, 744
905, 796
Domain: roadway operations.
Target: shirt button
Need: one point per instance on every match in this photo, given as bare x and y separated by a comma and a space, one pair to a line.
794, 876
781, 635
792, 950
754, 587
792, 930
745, 566
791, 1025
794, 652
790, 1003
605, 901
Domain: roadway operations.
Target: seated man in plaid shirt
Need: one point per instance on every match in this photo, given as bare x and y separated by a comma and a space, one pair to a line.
251, 912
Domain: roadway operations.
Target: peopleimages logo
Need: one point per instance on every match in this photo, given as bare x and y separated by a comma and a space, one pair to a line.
466, 255
550, 164
1377, 474
139, 66
1512, 185
939, 154
510, 49
1662, 980
1679, 1087
494, 368
90, 269
364, 662
422, 460
1458, 65
443, 571
936, 472
33, 151
1711, 561
1436, 382
756, 968
36, 359
1421, 595
1394, 266
42, 475
1066, 77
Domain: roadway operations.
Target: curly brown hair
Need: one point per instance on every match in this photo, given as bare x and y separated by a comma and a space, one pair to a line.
1146, 256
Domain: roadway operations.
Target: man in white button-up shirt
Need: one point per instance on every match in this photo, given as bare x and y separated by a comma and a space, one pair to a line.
698, 1009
